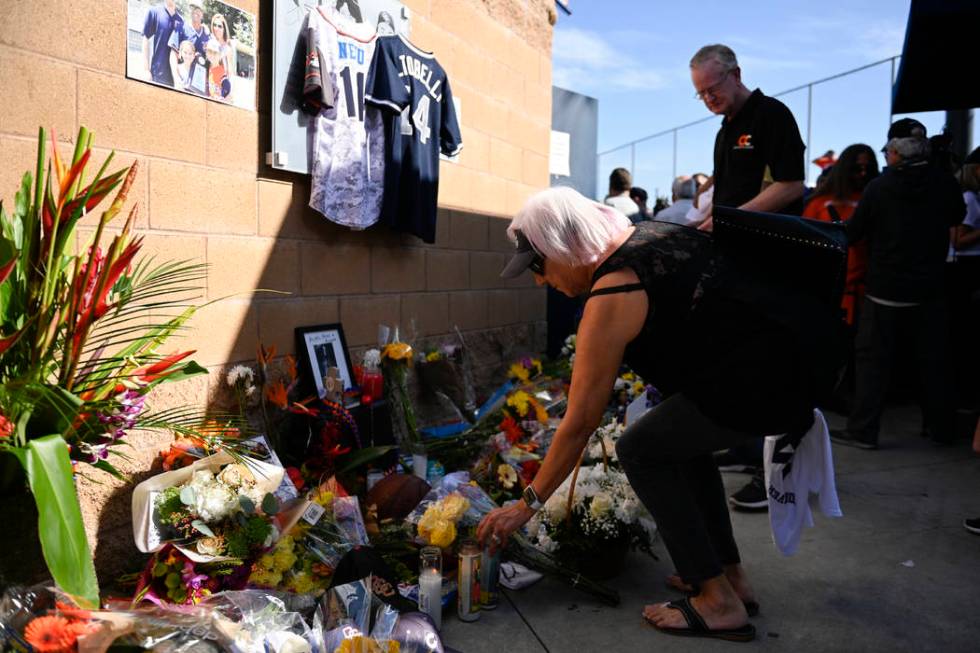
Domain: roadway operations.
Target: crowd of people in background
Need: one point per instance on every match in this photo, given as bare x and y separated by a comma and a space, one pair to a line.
912, 290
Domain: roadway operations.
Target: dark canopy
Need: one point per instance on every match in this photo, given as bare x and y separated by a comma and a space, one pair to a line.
939, 57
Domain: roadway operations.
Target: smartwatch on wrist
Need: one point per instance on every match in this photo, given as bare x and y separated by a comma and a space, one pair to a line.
531, 499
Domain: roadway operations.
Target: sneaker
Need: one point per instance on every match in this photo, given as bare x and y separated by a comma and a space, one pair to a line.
729, 462
753, 496
848, 439
972, 525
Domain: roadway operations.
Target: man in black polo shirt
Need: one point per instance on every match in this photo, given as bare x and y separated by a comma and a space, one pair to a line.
758, 150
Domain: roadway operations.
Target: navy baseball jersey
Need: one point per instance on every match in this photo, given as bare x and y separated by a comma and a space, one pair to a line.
412, 90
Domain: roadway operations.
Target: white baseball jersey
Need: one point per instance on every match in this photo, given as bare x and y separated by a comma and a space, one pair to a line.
347, 136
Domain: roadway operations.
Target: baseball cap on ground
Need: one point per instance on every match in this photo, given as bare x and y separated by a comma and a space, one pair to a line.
522, 258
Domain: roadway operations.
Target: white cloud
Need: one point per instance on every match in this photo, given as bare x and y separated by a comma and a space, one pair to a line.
584, 60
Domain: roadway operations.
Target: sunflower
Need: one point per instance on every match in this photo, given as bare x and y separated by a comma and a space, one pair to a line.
50, 634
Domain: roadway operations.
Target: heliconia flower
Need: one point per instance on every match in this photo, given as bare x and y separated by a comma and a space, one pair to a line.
50, 634
6, 427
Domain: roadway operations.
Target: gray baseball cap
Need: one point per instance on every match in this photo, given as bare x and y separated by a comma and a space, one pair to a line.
523, 257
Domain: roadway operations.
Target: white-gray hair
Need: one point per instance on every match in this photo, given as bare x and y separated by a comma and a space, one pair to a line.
723, 54
684, 188
565, 226
912, 148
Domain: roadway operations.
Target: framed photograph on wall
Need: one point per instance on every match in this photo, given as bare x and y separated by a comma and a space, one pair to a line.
318, 348
206, 48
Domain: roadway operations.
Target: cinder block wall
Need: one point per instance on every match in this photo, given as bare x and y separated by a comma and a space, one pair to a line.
207, 195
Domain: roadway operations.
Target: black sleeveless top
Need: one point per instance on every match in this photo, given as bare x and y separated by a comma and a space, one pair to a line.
742, 368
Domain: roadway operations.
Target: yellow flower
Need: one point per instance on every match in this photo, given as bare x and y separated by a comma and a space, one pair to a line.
284, 559
325, 499
397, 351
638, 388
519, 401
435, 529
506, 475
518, 371
302, 583
265, 578
628, 376
539, 412
267, 562
454, 507
433, 356
360, 644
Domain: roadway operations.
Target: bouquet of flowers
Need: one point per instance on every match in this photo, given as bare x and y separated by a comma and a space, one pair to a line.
304, 560
36, 619
220, 507
81, 333
437, 524
224, 514
396, 358
592, 518
513, 456
172, 577
525, 369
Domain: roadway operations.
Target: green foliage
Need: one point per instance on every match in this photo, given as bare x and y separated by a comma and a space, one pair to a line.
169, 506
241, 541
60, 526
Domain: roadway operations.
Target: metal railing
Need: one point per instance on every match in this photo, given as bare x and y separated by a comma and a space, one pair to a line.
673, 131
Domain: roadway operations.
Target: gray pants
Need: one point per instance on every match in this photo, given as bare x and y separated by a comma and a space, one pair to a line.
667, 457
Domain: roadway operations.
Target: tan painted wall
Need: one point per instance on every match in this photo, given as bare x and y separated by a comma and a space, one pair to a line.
207, 195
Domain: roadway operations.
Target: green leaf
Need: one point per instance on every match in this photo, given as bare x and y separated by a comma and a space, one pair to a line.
248, 506
172, 580
109, 468
201, 527
187, 496
362, 456
60, 526
270, 505
55, 410
160, 569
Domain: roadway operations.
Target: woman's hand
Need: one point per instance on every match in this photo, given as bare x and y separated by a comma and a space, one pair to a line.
497, 526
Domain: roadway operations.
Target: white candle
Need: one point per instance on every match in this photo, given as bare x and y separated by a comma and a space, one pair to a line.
430, 595
420, 464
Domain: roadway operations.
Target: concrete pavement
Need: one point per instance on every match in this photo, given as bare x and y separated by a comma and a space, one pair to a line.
897, 573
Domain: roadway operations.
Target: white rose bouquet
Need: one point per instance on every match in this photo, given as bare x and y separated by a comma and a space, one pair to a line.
589, 526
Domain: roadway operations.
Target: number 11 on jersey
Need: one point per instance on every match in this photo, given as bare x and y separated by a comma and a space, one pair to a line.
354, 109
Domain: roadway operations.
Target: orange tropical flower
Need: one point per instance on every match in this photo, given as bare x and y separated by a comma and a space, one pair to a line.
50, 634
276, 393
291, 367
397, 351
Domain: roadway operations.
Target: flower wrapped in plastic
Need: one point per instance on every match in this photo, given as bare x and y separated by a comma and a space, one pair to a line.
437, 524
323, 530
218, 508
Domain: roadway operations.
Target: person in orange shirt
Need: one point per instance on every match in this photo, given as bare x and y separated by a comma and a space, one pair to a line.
834, 200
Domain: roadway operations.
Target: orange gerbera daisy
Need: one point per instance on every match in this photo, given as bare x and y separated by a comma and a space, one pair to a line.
50, 634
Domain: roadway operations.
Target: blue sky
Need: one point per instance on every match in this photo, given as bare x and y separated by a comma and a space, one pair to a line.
633, 56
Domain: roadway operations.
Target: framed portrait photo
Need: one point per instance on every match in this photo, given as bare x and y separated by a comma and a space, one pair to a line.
320, 348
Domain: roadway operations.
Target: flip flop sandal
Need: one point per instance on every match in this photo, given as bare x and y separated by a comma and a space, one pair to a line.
698, 628
751, 607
